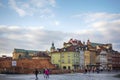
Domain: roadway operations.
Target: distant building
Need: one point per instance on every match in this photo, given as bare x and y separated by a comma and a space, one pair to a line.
115, 60
5, 63
22, 53
109, 59
41, 55
102, 51
29, 54
71, 56
87, 58
82, 58
103, 60
26, 63
65, 59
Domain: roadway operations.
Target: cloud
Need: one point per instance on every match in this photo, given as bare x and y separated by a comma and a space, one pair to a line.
100, 30
101, 27
93, 17
20, 11
52, 2
35, 38
32, 7
55, 23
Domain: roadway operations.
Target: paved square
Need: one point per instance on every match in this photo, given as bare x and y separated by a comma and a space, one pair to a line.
75, 76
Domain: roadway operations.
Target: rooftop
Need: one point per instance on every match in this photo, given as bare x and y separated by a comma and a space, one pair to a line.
25, 51
96, 44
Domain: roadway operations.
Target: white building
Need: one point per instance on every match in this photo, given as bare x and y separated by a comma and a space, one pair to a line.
82, 63
103, 59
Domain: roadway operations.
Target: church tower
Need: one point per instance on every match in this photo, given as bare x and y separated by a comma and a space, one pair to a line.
52, 47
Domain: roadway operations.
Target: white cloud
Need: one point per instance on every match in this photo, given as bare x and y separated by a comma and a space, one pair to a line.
93, 17
101, 27
27, 38
41, 7
52, 2
36, 38
20, 11
55, 23
100, 30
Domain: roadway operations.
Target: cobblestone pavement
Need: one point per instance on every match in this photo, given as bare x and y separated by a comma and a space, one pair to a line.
75, 76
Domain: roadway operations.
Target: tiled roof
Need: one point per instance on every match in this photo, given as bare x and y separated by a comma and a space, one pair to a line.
42, 54
72, 48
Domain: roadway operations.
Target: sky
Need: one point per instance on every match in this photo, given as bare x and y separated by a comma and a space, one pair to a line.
35, 24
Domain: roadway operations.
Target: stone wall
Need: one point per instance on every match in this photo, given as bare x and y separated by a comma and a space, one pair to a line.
25, 65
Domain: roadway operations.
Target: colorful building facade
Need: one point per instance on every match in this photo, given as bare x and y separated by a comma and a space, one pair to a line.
70, 56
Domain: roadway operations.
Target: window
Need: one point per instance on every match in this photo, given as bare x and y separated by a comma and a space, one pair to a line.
68, 55
68, 60
58, 60
64, 67
62, 61
62, 55
69, 67
75, 55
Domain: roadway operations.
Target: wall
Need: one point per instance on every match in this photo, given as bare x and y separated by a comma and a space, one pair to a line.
25, 65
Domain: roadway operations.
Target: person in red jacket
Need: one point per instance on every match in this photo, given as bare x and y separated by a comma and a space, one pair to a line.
46, 72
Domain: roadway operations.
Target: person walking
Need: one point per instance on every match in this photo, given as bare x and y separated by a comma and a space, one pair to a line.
97, 70
36, 73
46, 73
85, 71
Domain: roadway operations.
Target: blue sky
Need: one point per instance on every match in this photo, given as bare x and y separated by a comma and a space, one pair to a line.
35, 24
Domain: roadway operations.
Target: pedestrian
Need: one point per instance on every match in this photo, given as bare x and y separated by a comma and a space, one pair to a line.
85, 70
36, 73
89, 69
97, 70
93, 69
46, 73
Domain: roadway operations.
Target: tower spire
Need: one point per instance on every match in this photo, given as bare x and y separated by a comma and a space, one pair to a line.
52, 47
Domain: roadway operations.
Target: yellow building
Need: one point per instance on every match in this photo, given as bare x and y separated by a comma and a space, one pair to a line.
55, 58
65, 59
70, 60
90, 58
87, 58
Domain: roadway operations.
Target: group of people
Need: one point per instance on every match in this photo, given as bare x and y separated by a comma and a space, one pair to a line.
93, 70
46, 73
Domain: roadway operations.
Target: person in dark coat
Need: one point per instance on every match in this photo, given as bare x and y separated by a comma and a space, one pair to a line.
36, 73
97, 70
85, 70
